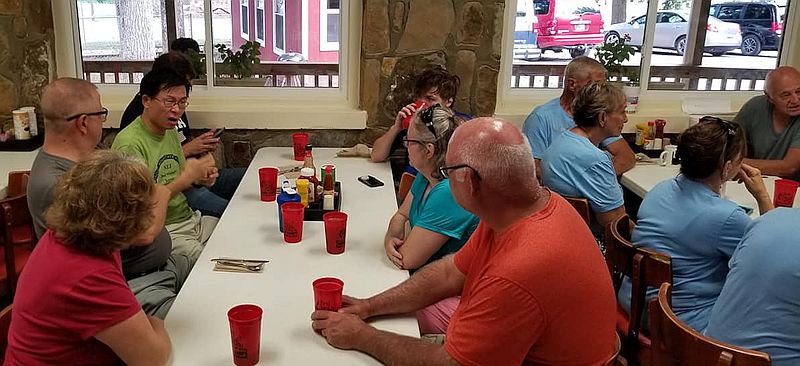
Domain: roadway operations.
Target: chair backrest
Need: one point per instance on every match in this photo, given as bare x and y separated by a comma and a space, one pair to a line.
14, 218
5, 324
582, 206
15, 212
675, 343
405, 185
645, 268
617, 359
18, 182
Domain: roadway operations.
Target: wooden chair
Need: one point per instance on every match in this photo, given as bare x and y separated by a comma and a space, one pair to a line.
17, 238
18, 182
675, 343
582, 206
5, 324
645, 268
405, 185
617, 359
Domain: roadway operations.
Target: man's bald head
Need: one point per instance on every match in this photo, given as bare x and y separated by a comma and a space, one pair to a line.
66, 97
489, 130
500, 153
782, 87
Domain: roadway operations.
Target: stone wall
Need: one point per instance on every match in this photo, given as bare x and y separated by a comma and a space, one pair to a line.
400, 38
27, 57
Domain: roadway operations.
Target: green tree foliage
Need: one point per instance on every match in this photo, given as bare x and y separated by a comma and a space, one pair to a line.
675, 4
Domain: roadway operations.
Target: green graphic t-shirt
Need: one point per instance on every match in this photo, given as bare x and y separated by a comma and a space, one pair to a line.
163, 156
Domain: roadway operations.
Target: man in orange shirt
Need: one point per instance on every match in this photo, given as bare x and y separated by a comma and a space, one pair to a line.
534, 286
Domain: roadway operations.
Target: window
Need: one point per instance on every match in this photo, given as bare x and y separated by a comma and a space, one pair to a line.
675, 18
730, 12
563, 29
279, 26
260, 26
726, 59
329, 25
244, 18
330, 79
541, 7
115, 55
721, 57
103, 36
757, 11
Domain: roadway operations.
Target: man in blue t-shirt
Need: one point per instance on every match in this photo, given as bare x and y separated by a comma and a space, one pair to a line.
759, 306
548, 121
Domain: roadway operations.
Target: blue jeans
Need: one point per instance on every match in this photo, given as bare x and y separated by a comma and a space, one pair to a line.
212, 201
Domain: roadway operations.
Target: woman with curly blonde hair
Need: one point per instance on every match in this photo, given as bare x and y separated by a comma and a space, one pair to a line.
73, 305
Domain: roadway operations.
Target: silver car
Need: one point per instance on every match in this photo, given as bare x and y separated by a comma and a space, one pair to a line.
671, 29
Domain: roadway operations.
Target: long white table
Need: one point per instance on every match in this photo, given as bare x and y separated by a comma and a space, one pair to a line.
644, 176
197, 322
11, 161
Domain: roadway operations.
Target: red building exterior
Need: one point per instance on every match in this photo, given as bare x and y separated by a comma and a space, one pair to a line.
267, 20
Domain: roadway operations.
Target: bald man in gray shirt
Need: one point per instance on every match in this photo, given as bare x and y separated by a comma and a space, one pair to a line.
771, 125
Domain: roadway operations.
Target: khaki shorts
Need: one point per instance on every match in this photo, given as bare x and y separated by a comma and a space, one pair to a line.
189, 237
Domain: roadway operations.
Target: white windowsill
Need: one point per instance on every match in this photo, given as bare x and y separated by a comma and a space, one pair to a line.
653, 104
306, 109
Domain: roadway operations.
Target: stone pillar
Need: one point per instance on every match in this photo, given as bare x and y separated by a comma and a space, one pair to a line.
401, 38
27, 57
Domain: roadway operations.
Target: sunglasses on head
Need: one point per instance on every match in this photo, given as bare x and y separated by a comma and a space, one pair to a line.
730, 129
426, 116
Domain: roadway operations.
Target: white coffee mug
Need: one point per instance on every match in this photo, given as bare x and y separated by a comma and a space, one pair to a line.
667, 155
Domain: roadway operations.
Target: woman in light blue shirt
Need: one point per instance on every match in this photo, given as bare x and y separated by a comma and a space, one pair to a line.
686, 218
574, 165
429, 223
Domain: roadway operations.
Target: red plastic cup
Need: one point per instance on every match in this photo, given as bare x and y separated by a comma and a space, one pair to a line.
299, 142
335, 231
328, 293
785, 190
268, 182
292, 221
418, 105
245, 321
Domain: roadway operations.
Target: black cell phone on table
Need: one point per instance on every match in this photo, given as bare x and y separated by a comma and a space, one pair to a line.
218, 133
370, 181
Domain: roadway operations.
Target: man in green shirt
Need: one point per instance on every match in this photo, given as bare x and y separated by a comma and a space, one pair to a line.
153, 137
772, 125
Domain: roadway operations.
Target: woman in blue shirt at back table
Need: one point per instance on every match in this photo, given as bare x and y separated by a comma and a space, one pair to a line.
686, 218
429, 223
574, 165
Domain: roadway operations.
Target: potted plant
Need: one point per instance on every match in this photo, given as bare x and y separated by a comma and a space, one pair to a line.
239, 64
612, 55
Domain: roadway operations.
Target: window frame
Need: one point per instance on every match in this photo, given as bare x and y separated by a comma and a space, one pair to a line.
324, 12
278, 51
244, 18
513, 102
238, 107
263, 27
